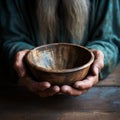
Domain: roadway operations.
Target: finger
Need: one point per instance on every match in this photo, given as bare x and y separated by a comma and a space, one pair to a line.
87, 83
32, 85
49, 92
70, 91
19, 66
98, 62
41, 86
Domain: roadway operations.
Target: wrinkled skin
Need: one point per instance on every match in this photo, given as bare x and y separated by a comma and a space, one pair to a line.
44, 89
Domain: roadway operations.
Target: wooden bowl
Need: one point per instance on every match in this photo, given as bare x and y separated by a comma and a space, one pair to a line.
60, 63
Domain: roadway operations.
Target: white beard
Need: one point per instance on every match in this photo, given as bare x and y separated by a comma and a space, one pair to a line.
74, 18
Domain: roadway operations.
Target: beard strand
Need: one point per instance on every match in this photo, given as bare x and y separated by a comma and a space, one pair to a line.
74, 18
47, 19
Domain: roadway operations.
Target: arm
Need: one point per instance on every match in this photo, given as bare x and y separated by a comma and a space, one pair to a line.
106, 35
104, 41
16, 41
14, 33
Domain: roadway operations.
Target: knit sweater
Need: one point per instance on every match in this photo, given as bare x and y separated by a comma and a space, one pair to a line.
19, 31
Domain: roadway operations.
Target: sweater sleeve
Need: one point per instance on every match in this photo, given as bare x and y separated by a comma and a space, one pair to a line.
14, 34
106, 33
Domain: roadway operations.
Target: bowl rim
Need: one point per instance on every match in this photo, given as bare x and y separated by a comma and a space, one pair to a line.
63, 70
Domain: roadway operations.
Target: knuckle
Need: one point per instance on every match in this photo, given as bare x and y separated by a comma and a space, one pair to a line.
16, 65
99, 52
82, 87
100, 66
90, 85
18, 53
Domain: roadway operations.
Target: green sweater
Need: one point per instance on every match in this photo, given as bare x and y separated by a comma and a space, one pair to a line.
18, 30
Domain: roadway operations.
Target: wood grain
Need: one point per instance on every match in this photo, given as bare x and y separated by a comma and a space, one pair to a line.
64, 116
102, 102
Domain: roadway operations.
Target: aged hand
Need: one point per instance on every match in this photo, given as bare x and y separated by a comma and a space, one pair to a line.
43, 89
92, 78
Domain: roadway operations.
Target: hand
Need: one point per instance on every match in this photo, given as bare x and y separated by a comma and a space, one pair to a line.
91, 79
43, 89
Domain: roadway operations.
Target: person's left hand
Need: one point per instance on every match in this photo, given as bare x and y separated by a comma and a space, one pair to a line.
91, 79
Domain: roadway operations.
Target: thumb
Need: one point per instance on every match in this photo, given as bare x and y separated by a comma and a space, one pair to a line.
19, 64
98, 63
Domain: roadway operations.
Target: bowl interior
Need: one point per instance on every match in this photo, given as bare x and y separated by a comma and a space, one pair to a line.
58, 57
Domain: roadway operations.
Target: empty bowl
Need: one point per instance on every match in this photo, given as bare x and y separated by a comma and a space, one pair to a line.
59, 63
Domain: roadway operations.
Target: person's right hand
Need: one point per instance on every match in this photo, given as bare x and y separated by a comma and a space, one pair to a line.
43, 89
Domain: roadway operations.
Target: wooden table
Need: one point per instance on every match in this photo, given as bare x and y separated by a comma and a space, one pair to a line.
102, 102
